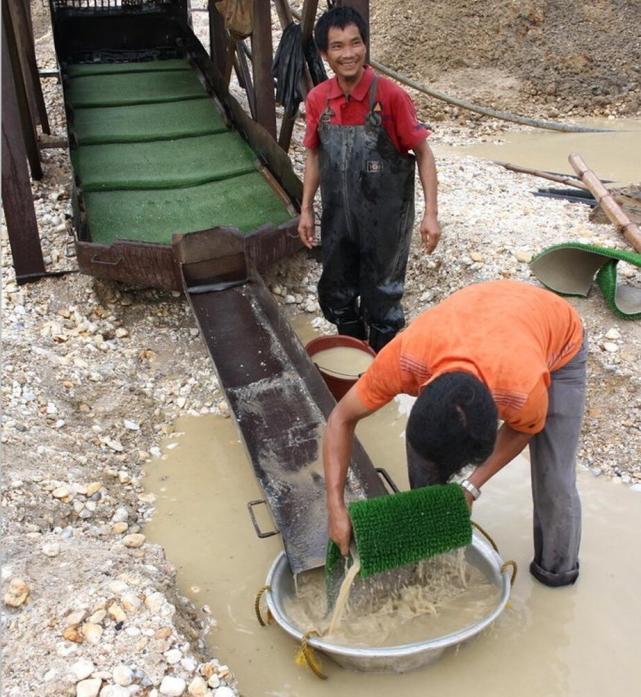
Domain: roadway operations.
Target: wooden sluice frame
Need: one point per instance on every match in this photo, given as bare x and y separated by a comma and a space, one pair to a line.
276, 393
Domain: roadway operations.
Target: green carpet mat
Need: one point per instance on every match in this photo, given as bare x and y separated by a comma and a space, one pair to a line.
569, 269
399, 529
144, 122
134, 88
81, 69
162, 164
245, 202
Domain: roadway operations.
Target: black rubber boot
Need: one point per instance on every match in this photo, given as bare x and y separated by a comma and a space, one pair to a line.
378, 339
357, 329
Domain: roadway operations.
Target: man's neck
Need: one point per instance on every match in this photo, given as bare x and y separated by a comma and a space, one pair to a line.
348, 85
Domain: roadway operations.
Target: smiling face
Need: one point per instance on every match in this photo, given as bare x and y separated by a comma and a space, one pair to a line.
345, 54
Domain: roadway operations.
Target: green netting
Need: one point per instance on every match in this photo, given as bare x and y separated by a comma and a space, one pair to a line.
569, 269
162, 164
392, 531
134, 88
80, 69
245, 202
144, 122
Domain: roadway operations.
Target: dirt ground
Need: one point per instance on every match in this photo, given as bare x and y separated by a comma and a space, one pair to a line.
538, 57
95, 373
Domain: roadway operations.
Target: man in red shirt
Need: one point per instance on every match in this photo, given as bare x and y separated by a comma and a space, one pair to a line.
501, 349
360, 129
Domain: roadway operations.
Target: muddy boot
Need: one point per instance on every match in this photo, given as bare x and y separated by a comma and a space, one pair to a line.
378, 338
357, 329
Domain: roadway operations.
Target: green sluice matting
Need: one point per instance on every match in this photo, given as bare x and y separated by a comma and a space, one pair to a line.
134, 88
403, 528
144, 122
162, 164
80, 69
245, 202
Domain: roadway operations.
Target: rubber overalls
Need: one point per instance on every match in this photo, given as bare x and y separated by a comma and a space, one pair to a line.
367, 190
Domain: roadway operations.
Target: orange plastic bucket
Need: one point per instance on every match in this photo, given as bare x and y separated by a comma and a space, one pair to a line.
337, 382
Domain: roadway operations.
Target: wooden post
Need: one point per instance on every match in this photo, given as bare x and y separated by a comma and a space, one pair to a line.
17, 198
217, 38
244, 75
25, 123
609, 206
262, 62
27, 51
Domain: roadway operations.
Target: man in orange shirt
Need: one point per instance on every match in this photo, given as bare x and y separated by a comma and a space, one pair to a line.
495, 350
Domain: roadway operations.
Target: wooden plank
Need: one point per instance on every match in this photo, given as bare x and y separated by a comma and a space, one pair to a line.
27, 51
217, 38
17, 199
25, 123
262, 63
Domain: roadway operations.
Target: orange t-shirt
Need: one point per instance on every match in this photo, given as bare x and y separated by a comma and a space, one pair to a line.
509, 334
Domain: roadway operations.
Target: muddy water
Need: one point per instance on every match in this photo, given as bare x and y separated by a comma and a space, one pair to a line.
343, 360
614, 155
581, 641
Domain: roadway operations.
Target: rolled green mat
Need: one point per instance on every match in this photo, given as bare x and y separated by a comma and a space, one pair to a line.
569, 269
399, 529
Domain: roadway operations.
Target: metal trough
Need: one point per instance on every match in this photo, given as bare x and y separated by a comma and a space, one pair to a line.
401, 658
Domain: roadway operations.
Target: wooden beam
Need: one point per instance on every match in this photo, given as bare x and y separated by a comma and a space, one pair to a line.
217, 38
27, 51
262, 62
17, 199
25, 123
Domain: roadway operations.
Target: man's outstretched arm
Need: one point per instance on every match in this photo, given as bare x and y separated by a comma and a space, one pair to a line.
337, 453
311, 182
430, 228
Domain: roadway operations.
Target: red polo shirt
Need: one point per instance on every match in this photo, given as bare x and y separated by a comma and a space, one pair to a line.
398, 112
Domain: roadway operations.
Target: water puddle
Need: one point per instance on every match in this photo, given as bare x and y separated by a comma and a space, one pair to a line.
580, 641
614, 155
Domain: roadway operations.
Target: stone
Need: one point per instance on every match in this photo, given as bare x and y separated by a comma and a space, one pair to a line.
114, 691
610, 347
73, 633
131, 602
97, 617
154, 601
224, 691
60, 493
51, 549
475, 256
93, 488
82, 669
197, 687
172, 686
123, 675
522, 255
16, 593
613, 334
173, 656
214, 681
121, 333
118, 587
117, 612
92, 632
88, 688
119, 528
134, 540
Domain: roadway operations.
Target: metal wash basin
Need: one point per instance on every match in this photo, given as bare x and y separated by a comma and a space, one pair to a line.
401, 658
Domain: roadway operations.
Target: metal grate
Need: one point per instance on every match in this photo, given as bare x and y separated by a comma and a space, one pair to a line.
113, 4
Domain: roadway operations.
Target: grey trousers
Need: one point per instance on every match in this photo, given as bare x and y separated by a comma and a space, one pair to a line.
557, 508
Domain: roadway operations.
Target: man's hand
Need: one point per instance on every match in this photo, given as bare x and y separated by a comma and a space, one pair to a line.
430, 232
340, 528
306, 227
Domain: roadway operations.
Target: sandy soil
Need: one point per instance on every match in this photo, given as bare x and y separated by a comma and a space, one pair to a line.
96, 373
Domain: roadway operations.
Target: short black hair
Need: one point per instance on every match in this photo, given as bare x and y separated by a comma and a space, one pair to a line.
453, 423
337, 17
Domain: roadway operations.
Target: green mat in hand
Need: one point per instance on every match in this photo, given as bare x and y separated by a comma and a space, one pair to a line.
392, 531
569, 269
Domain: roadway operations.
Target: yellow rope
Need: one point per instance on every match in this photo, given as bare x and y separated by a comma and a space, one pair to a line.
506, 566
307, 656
487, 535
259, 595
